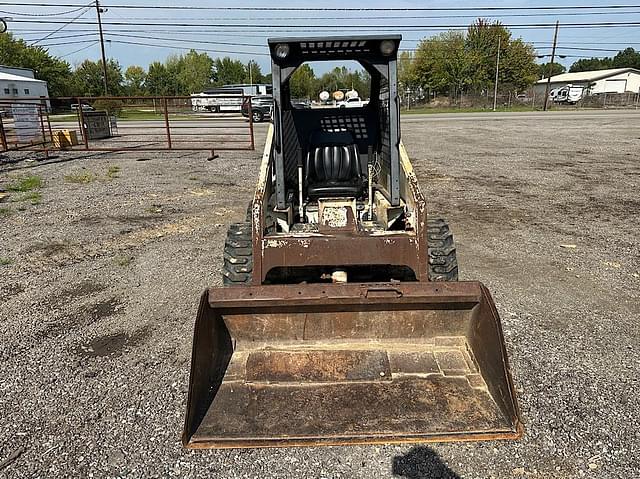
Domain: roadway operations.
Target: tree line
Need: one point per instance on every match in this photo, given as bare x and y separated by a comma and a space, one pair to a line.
464, 62
305, 85
181, 74
454, 63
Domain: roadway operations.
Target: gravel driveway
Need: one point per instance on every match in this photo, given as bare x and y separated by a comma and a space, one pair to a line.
104, 256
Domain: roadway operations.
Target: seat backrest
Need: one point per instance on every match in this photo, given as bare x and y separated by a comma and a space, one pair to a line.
332, 157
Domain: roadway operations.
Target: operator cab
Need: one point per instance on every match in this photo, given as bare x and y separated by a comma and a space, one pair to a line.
328, 153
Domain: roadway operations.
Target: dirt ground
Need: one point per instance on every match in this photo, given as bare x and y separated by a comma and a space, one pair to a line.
102, 266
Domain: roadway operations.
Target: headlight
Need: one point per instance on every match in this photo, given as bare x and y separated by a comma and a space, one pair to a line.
282, 50
387, 47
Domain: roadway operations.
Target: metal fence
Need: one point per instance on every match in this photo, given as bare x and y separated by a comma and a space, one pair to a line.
525, 100
203, 122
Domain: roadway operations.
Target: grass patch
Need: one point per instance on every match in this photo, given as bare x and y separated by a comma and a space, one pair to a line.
150, 115
123, 260
112, 172
80, 178
33, 197
5, 211
5, 261
27, 183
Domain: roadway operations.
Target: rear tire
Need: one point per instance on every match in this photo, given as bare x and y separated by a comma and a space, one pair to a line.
238, 255
443, 263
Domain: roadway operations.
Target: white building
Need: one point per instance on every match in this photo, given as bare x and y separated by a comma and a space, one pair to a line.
17, 84
615, 80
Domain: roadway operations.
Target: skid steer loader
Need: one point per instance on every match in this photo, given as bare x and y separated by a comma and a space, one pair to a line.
342, 320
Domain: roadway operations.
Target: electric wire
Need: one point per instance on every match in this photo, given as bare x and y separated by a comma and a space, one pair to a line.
79, 50
85, 10
339, 9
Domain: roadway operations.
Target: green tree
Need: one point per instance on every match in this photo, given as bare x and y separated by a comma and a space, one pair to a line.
407, 76
303, 83
54, 71
627, 58
228, 71
193, 71
518, 69
253, 73
88, 77
481, 43
443, 64
345, 78
135, 77
454, 62
159, 80
546, 70
588, 64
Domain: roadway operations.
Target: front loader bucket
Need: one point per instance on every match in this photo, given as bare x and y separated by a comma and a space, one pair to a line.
329, 364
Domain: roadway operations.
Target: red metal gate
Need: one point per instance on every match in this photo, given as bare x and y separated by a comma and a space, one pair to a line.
197, 122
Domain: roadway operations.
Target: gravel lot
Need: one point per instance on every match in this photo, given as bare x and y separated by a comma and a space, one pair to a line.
103, 276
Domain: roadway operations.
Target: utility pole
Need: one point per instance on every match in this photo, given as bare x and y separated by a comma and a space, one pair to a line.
495, 86
104, 57
553, 58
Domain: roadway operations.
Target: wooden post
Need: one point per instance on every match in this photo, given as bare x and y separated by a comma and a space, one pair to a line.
553, 57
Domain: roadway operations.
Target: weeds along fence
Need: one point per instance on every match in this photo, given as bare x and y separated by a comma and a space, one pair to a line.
203, 122
467, 101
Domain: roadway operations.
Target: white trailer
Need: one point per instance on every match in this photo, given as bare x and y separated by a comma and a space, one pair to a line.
227, 98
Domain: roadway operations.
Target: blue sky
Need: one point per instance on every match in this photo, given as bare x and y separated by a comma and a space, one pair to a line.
76, 35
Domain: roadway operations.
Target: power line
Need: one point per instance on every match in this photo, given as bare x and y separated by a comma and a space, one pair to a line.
191, 40
85, 10
582, 49
185, 48
78, 50
340, 9
123, 32
265, 34
342, 27
386, 17
75, 42
53, 14
108, 34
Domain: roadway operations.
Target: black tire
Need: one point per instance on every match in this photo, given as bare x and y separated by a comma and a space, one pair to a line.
238, 255
257, 116
443, 264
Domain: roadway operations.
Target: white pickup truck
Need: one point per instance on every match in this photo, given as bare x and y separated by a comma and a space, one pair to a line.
353, 102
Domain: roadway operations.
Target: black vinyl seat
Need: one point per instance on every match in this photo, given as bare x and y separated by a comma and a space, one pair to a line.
333, 166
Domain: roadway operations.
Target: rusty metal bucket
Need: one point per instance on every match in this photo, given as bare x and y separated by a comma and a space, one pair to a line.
330, 364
